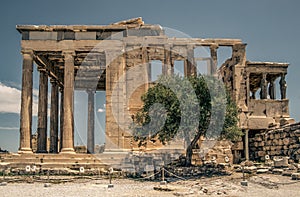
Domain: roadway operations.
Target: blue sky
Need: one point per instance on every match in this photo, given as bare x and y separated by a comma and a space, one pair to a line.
271, 28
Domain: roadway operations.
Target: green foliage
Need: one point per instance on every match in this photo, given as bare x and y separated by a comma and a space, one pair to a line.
189, 108
231, 131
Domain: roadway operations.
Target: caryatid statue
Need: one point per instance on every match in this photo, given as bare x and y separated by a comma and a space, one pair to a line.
283, 86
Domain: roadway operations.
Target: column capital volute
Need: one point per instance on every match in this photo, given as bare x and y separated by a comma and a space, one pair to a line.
28, 52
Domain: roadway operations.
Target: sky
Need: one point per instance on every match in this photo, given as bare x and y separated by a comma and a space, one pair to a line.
271, 29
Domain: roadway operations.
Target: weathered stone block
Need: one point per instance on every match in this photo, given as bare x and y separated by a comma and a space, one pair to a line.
297, 132
262, 171
261, 143
261, 153
286, 141
269, 143
281, 161
296, 176
277, 171
277, 136
283, 135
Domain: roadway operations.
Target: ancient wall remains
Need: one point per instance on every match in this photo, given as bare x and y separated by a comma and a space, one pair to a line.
278, 142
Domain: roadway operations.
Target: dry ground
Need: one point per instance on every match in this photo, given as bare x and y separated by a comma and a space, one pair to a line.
259, 185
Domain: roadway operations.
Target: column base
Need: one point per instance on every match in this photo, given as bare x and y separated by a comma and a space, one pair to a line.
67, 151
25, 151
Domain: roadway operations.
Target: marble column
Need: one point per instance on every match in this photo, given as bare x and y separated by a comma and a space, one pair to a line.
42, 113
91, 122
54, 118
214, 58
168, 67
68, 128
26, 103
147, 70
191, 68
61, 119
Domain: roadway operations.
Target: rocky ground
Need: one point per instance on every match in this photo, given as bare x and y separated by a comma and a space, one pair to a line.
258, 185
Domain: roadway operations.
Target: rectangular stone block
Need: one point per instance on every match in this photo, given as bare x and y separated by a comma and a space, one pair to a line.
281, 161
38, 35
85, 36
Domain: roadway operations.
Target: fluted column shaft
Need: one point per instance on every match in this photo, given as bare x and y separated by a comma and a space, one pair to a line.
61, 118
68, 128
26, 103
214, 59
91, 122
54, 118
42, 113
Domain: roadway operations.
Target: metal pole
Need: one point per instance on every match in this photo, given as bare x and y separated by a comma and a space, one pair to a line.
243, 170
163, 174
163, 182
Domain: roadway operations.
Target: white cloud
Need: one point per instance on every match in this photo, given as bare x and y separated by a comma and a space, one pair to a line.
10, 100
100, 110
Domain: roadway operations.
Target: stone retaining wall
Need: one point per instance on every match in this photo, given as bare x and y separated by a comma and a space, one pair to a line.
278, 142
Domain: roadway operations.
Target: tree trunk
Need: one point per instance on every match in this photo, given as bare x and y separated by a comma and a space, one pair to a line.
189, 154
189, 150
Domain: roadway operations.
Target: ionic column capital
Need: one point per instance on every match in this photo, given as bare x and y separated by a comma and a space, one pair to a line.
214, 46
68, 53
27, 52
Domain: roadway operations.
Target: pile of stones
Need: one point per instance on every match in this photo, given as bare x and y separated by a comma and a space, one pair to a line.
278, 165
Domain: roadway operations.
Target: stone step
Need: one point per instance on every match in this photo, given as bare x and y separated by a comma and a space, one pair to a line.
59, 165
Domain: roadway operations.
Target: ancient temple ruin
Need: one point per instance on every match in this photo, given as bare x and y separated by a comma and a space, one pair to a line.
95, 57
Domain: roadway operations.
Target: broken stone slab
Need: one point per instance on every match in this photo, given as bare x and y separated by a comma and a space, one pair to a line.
297, 165
296, 176
163, 188
287, 172
3, 184
188, 193
262, 171
277, 171
250, 169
